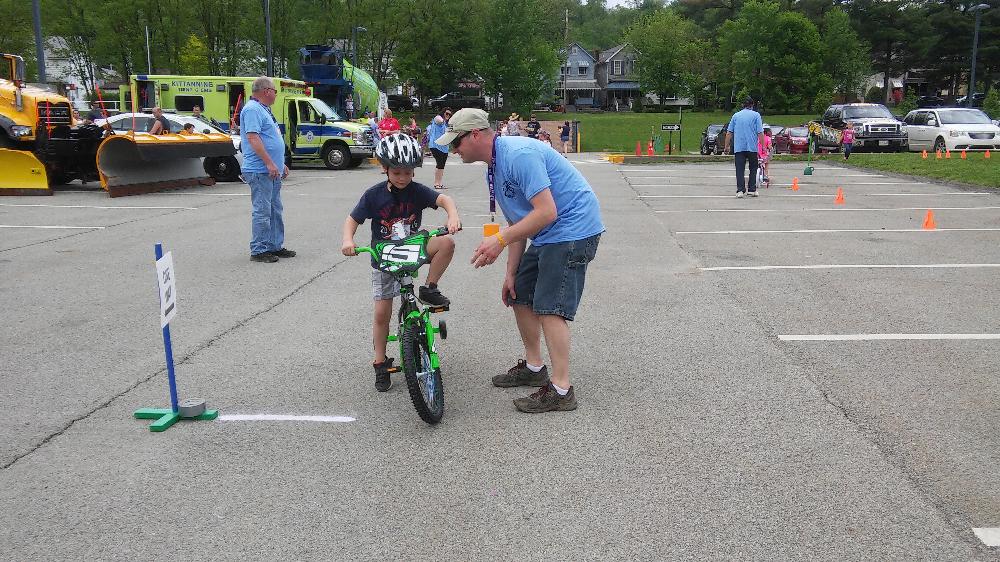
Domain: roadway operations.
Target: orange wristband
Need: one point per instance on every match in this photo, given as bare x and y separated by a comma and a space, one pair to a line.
503, 243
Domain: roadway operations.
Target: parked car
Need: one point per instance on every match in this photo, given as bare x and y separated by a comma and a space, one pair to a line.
399, 103
775, 129
710, 141
223, 168
875, 127
793, 140
977, 100
951, 129
456, 100
416, 101
931, 101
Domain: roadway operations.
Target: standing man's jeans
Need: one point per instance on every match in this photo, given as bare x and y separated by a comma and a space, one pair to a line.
741, 165
268, 233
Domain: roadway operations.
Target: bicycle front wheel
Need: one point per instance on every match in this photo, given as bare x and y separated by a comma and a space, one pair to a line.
422, 379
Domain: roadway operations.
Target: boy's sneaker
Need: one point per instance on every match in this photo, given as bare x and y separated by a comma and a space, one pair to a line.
521, 375
432, 296
382, 380
546, 399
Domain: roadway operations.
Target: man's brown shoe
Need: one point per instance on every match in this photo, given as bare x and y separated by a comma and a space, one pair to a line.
546, 399
521, 375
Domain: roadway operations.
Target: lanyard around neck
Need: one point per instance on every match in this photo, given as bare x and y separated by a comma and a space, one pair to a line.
491, 179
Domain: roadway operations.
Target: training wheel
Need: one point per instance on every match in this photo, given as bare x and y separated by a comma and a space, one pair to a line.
443, 329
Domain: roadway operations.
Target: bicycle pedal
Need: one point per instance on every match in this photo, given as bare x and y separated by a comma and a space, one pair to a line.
393, 369
437, 309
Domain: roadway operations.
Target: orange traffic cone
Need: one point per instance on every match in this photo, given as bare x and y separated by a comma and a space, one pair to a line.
638, 148
649, 149
938, 154
839, 200
929, 223
795, 184
963, 154
947, 154
987, 155
923, 155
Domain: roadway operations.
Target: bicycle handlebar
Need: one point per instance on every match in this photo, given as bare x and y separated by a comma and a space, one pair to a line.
442, 231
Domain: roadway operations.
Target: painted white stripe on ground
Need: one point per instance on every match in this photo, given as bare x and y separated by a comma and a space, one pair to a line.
875, 337
826, 231
818, 209
279, 417
989, 535
664, 185
770, 195
169, 192
53, 227
94, 207
850, 266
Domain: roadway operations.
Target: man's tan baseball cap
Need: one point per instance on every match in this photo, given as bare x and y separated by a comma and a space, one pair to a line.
463, 121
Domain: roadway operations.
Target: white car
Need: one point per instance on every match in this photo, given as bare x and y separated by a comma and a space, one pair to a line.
951, 128
224, 168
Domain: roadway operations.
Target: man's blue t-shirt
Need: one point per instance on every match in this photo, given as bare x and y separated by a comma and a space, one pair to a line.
745, 126
524, 168
256, 117
386, 207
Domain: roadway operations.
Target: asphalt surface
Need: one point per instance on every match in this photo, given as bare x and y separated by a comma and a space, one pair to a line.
701, 432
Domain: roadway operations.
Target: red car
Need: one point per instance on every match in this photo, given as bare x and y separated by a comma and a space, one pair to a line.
793, 140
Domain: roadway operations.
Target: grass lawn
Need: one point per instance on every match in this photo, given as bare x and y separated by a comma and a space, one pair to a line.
617, 132
975, 170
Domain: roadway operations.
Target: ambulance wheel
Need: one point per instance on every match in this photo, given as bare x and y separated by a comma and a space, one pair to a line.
336, 157
355, 162
223, 168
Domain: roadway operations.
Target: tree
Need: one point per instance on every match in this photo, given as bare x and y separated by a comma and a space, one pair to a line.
899, 35
991, 105
193, 58
669, 51
17, 15
847, 59
429, 56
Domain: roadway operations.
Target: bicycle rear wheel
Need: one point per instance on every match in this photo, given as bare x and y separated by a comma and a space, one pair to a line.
422, 379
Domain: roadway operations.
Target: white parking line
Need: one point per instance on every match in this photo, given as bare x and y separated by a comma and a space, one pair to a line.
832, 230
875, 337
770, 195
665, 185
989, 535
850, 266
53, 227
279, 417
818, 210
95, 207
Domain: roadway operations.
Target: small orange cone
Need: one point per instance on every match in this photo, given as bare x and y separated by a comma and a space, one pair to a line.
839, 200
649, 149
938, 154
923, 155
638, 148
947, 154
795, 184
929, 223
963, 154
987, 155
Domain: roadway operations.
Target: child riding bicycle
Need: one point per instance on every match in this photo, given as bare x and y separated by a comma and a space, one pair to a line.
395, 207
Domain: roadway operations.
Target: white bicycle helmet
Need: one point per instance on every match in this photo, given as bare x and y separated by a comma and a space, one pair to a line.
399, 151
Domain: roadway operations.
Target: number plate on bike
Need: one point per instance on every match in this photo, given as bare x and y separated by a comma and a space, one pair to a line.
395, 258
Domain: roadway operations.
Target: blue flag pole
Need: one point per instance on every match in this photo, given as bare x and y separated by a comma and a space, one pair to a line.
169, 351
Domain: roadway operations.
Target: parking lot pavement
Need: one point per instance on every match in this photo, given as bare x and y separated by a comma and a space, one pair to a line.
701, 432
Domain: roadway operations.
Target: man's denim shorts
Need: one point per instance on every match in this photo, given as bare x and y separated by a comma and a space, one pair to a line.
550, 277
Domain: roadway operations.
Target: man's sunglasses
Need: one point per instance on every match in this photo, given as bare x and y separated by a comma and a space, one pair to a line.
458, 140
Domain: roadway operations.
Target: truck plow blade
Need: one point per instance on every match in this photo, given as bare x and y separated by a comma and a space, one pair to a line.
137, 163
23, 174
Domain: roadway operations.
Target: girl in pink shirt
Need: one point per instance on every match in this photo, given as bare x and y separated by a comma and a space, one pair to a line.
847, 139
764, 155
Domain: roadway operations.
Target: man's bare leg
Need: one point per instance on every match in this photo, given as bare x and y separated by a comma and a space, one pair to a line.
556, 331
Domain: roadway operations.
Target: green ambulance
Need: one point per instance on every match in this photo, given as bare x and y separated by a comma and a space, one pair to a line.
312, 130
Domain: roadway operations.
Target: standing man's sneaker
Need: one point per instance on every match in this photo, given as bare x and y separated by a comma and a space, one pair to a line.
432, 296
753, 194
739, 195
521, 375
382, 380
547, 399
264, 257
284, 253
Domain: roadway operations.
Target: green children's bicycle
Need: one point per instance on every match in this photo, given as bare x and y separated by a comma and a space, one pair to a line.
421, 364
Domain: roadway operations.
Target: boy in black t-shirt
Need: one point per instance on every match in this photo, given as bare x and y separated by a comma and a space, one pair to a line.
395, 208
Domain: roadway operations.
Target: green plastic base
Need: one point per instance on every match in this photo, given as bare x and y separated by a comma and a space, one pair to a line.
808, 171
166, 417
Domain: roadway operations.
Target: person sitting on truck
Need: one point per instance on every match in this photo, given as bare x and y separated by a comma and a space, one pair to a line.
388, 124
160, 124
188, 129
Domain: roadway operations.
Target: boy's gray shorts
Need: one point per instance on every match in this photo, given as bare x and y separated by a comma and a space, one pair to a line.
384, 286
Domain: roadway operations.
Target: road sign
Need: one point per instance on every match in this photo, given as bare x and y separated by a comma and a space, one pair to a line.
670, 127
168, 294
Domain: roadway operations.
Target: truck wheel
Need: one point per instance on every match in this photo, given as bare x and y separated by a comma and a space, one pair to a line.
336, 157
355, 162
223, 168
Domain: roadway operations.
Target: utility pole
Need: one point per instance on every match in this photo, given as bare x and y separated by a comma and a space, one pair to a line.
39, 47
267, 26
975, 45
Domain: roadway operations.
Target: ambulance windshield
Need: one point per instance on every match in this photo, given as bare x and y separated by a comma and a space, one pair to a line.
325, 110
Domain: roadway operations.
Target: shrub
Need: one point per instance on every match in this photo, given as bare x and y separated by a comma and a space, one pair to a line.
875, 95
908, 104
991, 105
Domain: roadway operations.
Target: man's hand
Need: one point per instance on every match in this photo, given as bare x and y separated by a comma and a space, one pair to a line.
507, 293
348, 248
487, 252
284, 174
272, 170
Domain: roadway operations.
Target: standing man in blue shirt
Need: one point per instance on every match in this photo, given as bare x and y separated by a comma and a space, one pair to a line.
545, 200
747, 127
264, 168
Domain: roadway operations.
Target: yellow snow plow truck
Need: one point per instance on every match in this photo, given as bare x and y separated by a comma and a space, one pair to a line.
42, 145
